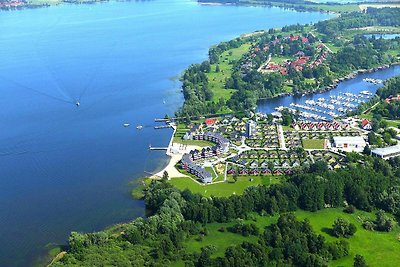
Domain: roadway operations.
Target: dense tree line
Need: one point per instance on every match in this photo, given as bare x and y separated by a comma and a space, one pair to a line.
196, 92
391, 88
389, 110
362, 53
159, 239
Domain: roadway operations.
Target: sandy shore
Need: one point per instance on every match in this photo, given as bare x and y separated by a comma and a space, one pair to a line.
175, 151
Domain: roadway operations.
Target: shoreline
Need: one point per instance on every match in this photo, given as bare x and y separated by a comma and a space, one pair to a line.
336, 82
29, 5
174, 152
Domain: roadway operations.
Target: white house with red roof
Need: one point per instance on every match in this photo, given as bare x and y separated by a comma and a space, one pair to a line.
366, 125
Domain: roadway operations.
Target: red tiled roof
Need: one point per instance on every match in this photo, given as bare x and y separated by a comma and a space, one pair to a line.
364, 122
210, 121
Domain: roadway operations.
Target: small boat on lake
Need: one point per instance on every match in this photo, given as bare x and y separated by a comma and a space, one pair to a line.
126, 125
139, 127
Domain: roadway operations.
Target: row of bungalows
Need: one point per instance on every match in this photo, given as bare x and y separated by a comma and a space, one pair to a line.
258, 171
276, 163
265, 164
265, 154
201, 173
319, 60
320, 126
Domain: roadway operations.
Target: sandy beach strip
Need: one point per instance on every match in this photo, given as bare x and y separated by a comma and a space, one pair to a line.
175, 151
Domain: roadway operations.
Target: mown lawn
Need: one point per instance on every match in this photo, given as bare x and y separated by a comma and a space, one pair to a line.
223, 189
280, 59
313, 143
200, 143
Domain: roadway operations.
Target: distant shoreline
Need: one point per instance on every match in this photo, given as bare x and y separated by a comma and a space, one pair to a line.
16, 5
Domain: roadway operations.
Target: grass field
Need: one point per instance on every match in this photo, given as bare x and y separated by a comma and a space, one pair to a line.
280, 59
216, 80
200, 143
287, 128
332, 47
393, 123
221, 240
313, 143
223, 189
378, 249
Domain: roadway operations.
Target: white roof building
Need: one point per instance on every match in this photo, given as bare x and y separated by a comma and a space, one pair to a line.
387, 152
349, 143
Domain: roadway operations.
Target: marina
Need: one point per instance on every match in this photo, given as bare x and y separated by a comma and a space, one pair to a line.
327, 109
337, 102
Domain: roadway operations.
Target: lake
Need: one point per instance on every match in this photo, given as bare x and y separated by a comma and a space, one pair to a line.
66, 168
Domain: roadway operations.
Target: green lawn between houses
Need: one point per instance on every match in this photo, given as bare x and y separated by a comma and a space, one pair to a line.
378, 249
313, 143
223, 189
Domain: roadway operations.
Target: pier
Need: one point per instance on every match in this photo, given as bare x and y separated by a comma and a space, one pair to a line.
161, 120
162, 127
157, 148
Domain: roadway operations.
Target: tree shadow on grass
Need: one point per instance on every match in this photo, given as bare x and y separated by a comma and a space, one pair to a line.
328, 231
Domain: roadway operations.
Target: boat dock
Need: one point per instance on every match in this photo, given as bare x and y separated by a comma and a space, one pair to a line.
162, 120
157, 148
162, 127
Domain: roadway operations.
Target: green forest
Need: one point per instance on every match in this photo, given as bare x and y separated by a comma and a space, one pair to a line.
178, 217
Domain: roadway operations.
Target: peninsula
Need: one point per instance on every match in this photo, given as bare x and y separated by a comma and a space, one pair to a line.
315, 184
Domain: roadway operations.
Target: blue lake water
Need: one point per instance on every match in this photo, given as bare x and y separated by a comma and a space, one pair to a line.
64, 168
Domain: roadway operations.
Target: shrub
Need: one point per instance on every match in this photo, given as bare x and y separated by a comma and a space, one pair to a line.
343, 228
